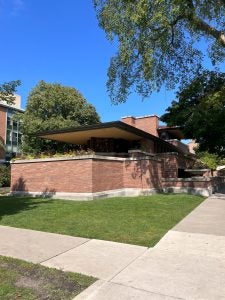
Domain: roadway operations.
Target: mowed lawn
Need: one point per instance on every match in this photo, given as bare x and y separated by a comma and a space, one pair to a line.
137, 220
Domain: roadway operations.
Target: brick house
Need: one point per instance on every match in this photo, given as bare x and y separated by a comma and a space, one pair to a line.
134, 156
10, 134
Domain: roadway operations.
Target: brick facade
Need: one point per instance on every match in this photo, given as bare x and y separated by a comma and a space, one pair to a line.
96, 174
69, 176
3, 116
148, 124
107, 175
89, 175
140, 171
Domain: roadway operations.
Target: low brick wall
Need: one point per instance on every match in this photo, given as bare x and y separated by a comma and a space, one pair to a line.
87, 177
196, 185
51, 176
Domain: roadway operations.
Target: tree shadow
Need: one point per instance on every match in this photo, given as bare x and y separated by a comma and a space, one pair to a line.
11, 205
19, 189
15, 203
148, 171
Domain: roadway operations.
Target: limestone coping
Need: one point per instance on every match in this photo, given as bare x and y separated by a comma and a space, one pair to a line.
187, 179
83, 157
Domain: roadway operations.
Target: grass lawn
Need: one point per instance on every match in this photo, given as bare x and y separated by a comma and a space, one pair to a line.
27, 281
137, 220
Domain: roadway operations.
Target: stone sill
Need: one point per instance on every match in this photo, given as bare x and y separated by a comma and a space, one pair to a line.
83, 157
186, 179
197, 170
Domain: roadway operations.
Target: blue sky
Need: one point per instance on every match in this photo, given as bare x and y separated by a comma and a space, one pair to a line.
60, 41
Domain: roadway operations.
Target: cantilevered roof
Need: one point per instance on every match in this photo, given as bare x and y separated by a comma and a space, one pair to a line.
118, 130
174, 131
81, 134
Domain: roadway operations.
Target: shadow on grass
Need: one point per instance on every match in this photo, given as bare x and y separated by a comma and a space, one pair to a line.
11, 205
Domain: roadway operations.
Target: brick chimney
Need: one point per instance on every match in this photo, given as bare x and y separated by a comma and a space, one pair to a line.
148, 124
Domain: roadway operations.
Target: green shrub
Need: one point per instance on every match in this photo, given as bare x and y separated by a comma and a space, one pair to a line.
210, 160
4, 175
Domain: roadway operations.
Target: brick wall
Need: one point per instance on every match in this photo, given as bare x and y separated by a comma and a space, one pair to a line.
85, 175
187, 183
142, 173
70, 176
149, 124
3, 116
169, 164
100, 174
107, 175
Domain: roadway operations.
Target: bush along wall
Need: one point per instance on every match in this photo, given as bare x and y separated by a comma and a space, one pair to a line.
5, 175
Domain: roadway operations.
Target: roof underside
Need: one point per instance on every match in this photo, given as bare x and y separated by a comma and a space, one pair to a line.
82, 136
174, 132
111, 130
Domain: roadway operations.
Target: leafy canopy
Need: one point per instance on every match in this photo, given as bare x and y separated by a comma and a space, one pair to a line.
7, 89
210, 160
50, 107
200, 110
157, 41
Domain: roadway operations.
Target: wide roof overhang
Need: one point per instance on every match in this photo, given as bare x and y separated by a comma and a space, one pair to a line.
80, 135
175, 132
116, 130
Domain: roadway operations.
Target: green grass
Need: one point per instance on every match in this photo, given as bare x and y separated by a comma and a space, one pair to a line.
27, 281
136, 220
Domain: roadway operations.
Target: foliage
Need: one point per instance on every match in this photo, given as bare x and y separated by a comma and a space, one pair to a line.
134, 220
50, 107
210, 160
4, 175
53, 154
2, 146
157, 41
200, 110
7, 89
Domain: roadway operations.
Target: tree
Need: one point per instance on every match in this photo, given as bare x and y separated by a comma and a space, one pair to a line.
157, 41
50, 107
210, 160
200, 110
7, 89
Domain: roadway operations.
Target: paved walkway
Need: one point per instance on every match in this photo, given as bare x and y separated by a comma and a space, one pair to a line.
188, 263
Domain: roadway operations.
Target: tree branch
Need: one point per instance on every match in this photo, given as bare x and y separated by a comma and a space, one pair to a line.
201, 25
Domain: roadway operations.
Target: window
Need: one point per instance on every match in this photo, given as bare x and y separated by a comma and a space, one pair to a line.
13, 135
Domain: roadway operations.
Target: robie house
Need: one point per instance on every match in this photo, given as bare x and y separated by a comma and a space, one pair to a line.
134, 156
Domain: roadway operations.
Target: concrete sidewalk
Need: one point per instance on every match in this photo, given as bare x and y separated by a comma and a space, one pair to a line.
188, 262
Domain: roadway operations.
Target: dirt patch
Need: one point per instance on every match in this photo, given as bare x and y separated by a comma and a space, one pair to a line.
44, 283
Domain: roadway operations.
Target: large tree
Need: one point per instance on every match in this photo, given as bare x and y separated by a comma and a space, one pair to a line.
53, 106
200, 111
158, 41
7, 91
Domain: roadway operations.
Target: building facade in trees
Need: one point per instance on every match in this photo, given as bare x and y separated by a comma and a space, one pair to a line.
10, 134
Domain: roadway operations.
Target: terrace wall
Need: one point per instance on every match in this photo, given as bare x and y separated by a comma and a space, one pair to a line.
52, 176
92, 176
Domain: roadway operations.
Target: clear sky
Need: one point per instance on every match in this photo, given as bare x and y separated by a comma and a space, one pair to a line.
60, 41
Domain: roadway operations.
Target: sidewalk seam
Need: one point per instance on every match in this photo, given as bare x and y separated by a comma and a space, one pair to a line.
133, 260
41, 262
139, 289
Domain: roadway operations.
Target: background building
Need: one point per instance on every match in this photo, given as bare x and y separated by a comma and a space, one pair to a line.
10, 133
